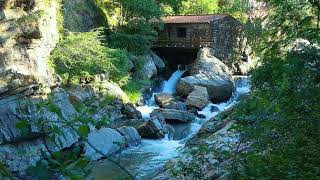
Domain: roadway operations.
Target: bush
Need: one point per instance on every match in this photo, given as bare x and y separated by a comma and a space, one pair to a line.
84, 54
133, 89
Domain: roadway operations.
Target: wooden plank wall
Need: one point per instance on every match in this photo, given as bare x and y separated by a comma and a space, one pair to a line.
197, 35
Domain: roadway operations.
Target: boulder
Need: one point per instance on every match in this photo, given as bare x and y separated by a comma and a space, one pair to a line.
153, 128
174, 115
208, 72
163, 99
131, 112
80, 93
149, 69
157, 61
112, 89
176, 105
103, 142
198, 98
131, 135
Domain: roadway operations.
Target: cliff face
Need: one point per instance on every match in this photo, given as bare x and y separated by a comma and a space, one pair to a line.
28, 35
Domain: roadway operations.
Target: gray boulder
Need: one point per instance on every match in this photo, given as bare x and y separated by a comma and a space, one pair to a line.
131, 112
149, 69
81, 93
163, 99
176, 105
103, 142
208, 72
198, 98
174, 115
154, 128
157, 61
131, 135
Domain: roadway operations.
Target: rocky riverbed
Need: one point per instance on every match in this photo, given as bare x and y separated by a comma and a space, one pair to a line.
174, 118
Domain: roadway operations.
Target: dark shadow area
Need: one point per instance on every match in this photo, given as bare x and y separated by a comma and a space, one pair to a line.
175, 56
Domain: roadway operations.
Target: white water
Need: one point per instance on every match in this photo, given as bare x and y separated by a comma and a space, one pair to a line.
145, 160
168, 87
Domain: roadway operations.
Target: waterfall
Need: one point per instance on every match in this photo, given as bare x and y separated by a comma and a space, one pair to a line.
168, 87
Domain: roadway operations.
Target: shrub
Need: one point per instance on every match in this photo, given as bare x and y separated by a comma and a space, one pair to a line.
84, 54
133, 89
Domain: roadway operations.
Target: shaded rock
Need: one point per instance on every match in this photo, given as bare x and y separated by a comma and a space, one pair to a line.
149, 69
14, 110
163, 99
154, 128
208, 72
135, 123
131, 135
81, 93
194, 110
157, 61
198, 98
107, 141
174, 115
131, 112
176, 105
214, 109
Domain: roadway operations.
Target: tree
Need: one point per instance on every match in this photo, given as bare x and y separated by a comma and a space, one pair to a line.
199, 7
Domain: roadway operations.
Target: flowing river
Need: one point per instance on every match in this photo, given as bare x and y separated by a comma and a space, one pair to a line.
145, 160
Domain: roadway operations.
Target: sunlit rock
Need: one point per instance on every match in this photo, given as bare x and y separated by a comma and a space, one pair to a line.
198, 98
131, 135
103, 142
211, 73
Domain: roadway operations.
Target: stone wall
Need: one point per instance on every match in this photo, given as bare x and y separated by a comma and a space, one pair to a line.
229, 42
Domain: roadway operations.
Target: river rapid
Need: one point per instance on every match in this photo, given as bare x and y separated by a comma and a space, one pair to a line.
147, 159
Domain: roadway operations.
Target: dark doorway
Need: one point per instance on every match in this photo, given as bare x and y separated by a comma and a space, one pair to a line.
182, 32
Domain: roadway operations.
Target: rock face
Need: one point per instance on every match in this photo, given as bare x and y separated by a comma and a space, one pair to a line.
131, 135
174, 115
14, 110
151, 65
80, 15
208, 72
163, 99
198, 98
154, 128
26, 43
103, 142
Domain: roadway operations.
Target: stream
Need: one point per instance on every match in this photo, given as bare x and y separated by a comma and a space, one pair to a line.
147, 159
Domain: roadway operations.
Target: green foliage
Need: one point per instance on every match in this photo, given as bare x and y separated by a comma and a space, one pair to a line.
68, 163
137, 26
84, 54
281, 118
199, 7
4, 172
133, 89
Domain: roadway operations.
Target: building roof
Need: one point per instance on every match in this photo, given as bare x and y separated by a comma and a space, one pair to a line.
186, 19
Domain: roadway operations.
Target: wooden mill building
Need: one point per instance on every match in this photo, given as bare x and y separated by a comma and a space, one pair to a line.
192, 31
183, 36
